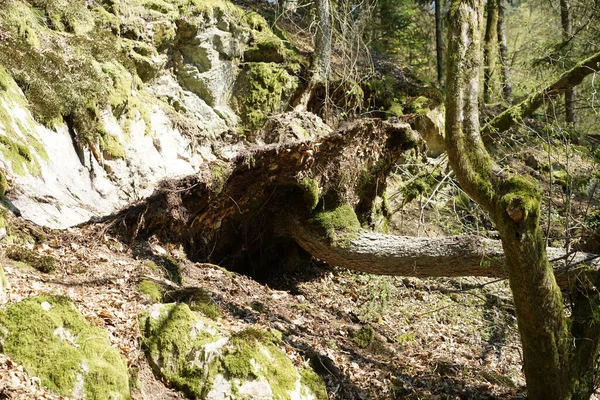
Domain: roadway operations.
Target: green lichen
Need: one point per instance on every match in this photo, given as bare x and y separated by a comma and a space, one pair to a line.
172, 340
22, 254
262, 89
53, 341
363, 337
314, 383
312, 192
152, 290
340, 224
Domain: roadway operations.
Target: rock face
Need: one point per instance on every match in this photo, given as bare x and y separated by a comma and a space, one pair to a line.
197, 357
52, 340
172, 90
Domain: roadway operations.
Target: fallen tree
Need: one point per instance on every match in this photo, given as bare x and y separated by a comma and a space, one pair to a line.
317, 193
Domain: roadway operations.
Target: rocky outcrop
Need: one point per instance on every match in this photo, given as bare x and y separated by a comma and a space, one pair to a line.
53, 341
192, 353
104, 123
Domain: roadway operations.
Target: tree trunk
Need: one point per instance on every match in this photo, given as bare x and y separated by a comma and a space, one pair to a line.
489, 55
514, 205
518, 112
503, 54
566, 21
438, 41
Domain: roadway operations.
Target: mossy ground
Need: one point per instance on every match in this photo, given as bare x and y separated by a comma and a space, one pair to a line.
43, 263
48, 336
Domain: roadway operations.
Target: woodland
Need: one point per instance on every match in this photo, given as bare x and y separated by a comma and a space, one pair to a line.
332, 164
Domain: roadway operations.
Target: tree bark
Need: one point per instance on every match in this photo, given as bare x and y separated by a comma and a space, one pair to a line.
489, 55
503, 54
420, 257
514, 206
518, 112
438, 41
566, 21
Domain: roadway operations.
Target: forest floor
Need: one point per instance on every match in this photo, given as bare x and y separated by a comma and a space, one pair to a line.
369, 337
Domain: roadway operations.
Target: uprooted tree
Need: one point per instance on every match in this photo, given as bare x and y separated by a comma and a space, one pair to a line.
317, 195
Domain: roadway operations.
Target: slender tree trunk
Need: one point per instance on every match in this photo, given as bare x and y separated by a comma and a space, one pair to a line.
566, 21
321, 67
503, 54
489, 55
438, 41
514, 205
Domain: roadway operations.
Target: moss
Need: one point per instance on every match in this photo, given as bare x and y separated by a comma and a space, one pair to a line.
173, 339
396, 109
262, 89
219, 175
3, 282
312, 192
312, 381
152, 290
172, 268
44, 264
340, 225
253, 354
420, 105
112, 147
406, 338
3, 184
53, 341
522, 199
364, 337
152, 265
197, 299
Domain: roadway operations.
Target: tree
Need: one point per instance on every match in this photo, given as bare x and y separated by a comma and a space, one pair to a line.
558, 359
566, 21
503, 53
489, 55
438, 41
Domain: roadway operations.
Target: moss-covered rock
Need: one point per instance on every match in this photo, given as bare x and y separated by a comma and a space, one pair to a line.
191, 352
53, 341
261, 89
43, 263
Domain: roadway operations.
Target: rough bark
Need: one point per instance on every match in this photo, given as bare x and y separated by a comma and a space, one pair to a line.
438, 41
503, 54
518, 112
513, 204
489, 55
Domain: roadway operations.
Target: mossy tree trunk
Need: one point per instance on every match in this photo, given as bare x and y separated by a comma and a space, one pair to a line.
566, 21
503, 53
552, 354
489, 55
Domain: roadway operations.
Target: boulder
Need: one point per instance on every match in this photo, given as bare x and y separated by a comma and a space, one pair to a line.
197, 357
53, 341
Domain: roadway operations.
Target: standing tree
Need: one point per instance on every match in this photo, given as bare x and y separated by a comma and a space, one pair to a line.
566, 21
489, 55
438, 41
559, 353
503, 53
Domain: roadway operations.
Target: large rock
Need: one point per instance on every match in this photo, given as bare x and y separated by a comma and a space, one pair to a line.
53, 341
197, 357
430, 125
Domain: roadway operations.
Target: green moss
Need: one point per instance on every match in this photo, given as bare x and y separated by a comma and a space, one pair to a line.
340, 225
420, 105
152, 265
172, 268
3, 184
197, 299
152, 290
406, 338
112, 147
219, 175
262, 89
53, 341
311, 380
312, 192
396, 109
44, 264
364, 337
253, 353
522, 193
173, 336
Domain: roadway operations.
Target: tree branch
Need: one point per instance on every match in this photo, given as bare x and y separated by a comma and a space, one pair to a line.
518, 112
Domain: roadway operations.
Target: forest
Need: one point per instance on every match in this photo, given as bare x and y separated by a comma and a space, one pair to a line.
296, 199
